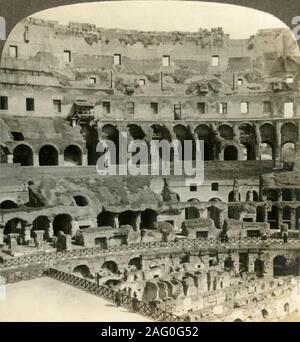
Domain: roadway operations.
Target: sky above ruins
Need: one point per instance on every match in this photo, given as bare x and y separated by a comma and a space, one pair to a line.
239, 22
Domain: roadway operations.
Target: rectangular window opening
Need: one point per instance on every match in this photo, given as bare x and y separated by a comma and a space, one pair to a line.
215, 61
117, 59
154, 107
30, 104
13, 51
3, 102
57, 106
67, 56
166, 61
244, 107
106, 107
201, 107
214, 186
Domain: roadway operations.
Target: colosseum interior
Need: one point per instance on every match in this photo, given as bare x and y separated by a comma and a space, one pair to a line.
227, 250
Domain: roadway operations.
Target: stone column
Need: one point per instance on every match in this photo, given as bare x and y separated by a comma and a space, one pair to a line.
258, 142
117, 223
36, 160
138, 222
39, 238
1, 236
50, 230
84, 160
293, 218
26, 235
60, 160
235, 259
12, 242
251, 262
280, 219
10, 158
75, 227
278, 145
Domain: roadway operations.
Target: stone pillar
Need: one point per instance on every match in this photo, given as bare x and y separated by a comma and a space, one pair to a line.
68, 245
60, 160
116, 219
280, 212
293, 218
278, 145
279, 195
138, 222
1, 236
251, 262
84, 160
75, 227
26, 233
36, 161
39, 238
236, 263
12, 242
258, 142
10, 158
50, 230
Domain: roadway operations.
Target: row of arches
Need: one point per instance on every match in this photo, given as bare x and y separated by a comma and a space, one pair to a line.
48, 155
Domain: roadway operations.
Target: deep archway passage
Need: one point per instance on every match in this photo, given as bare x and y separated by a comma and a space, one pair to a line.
41, 223
8, 204
83, 270
14, 226
48, 156
137, 262
230, 153
110, 266
72, 156
105, 218
205, 133
63, 223
279, 266
23, 155
148, 218
128, 217
111, 133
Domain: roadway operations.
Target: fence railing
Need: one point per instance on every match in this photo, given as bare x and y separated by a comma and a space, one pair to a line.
139, 307
182, 243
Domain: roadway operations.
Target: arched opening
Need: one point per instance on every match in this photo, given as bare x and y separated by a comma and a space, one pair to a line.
162, 133
248, 141
3, 154
23, 155
136, 132
238, 320
287, 194
101, 242
8, 205
267, 152
230, 153
271, 194
252, 196
279, 266
105, 219
234, 196
259, 268
228, 264
226, 132
128, 217
264, 313
286, 308
48, 156
91, 136
260, 214
110, 266
148, 218
41, 223
289, 133
192, 213
72, 156
273, 217
111, 133
205, 133
136, 262
183, 134
83, 271
63, 223
14, 226
215, 214
81, 201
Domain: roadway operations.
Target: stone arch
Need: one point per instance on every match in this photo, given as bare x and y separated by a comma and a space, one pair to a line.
23, 154
48, 155
110, 132
41, 223
105, 218
128, 217
8, 204
4, 152
192, 212
247, 139
83, 270
255, 196
226, 132
136, 132
160, 132
234, 196
148, 218
206, 134
183, 134
81, 201
289, 132
111, 266
137, 262
231, 153
279, 266
214, 213
72, 155
268, 133
14, 226
62, 222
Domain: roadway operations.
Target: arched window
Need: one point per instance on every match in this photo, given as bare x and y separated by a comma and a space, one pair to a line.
279, 266
62, 222
8, 205
48, 156
72, 156
230, 153
23, 155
